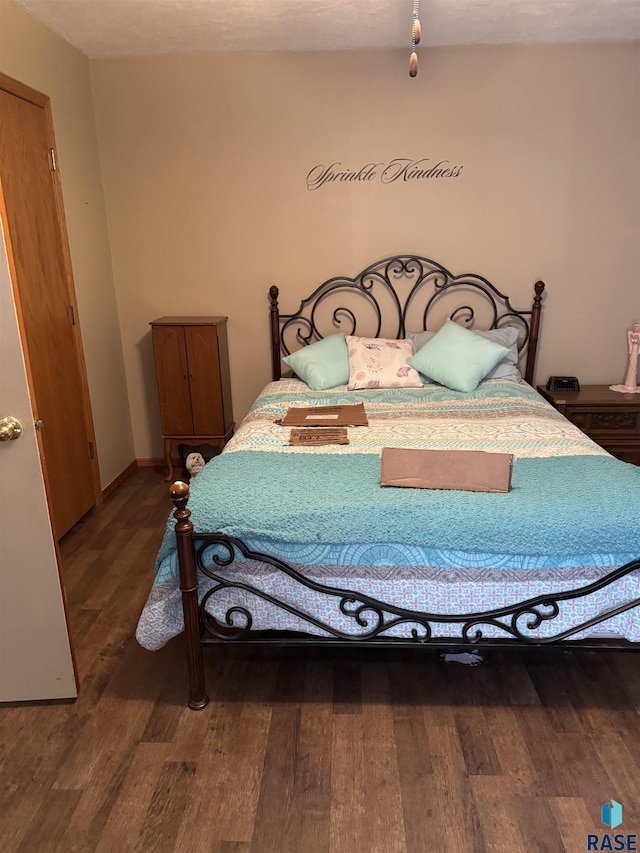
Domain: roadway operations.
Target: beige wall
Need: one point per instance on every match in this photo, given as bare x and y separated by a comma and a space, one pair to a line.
33, 54
204, 161
205, 158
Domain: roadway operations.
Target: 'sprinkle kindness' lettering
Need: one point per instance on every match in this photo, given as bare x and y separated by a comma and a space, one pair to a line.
398, 169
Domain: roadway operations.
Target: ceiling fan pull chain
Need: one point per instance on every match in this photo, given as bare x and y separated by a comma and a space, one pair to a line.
416, 34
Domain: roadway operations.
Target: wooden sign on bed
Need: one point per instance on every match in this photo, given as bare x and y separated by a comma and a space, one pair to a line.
316, 416
466, 470
317, 437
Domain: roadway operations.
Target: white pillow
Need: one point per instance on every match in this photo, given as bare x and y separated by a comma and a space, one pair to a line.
380, 363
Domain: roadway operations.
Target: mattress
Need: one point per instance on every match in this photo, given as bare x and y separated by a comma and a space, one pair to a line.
566, 522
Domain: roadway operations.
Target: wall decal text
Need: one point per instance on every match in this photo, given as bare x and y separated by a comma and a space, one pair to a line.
399, 169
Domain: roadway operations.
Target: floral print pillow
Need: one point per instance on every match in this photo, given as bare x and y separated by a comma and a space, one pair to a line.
380, 363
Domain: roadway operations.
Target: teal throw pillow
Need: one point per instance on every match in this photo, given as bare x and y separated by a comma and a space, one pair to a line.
322, 365
508, 336
457, 357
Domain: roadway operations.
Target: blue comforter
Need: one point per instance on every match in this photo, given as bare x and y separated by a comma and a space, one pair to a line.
568, 498
559, 506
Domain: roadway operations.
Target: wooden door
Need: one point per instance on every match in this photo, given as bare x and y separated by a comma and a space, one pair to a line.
39, 261
35, 654
204, 375
173, 380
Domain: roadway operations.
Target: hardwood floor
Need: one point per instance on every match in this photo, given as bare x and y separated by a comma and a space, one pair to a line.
304, 751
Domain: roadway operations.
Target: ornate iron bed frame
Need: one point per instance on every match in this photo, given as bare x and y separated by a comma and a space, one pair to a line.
426, 284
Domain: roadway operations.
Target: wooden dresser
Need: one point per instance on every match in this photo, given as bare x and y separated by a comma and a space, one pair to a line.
192, 369
610, 418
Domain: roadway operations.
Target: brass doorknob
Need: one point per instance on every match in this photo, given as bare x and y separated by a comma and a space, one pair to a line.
10, 429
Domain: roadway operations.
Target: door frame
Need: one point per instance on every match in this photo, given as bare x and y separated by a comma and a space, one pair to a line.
38, 99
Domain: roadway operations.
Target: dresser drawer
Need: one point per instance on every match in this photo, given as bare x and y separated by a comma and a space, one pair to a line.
600, 421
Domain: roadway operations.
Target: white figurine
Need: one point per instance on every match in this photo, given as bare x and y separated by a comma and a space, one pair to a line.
194, 463
633, 338
630, 385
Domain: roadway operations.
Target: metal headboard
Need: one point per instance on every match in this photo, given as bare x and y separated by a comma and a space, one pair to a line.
396, 295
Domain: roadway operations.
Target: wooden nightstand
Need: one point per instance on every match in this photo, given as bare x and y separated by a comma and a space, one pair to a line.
610, 418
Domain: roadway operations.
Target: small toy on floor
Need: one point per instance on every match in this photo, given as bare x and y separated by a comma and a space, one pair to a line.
194, 463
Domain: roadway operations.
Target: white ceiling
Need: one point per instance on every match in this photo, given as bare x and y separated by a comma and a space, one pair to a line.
142, 27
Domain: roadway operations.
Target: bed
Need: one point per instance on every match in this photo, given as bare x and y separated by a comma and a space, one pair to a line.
302, 544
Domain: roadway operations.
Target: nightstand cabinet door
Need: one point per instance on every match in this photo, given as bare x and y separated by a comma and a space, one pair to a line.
192, 369
172, 373
204, 379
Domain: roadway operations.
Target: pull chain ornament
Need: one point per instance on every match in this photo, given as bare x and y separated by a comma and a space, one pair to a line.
416, 34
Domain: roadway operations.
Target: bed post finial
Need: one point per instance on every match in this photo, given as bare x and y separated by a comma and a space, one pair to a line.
179, 492
534, 327
275, 332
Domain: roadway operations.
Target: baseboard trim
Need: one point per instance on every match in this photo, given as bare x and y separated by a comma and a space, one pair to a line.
158, 462
154, 462
122, 476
